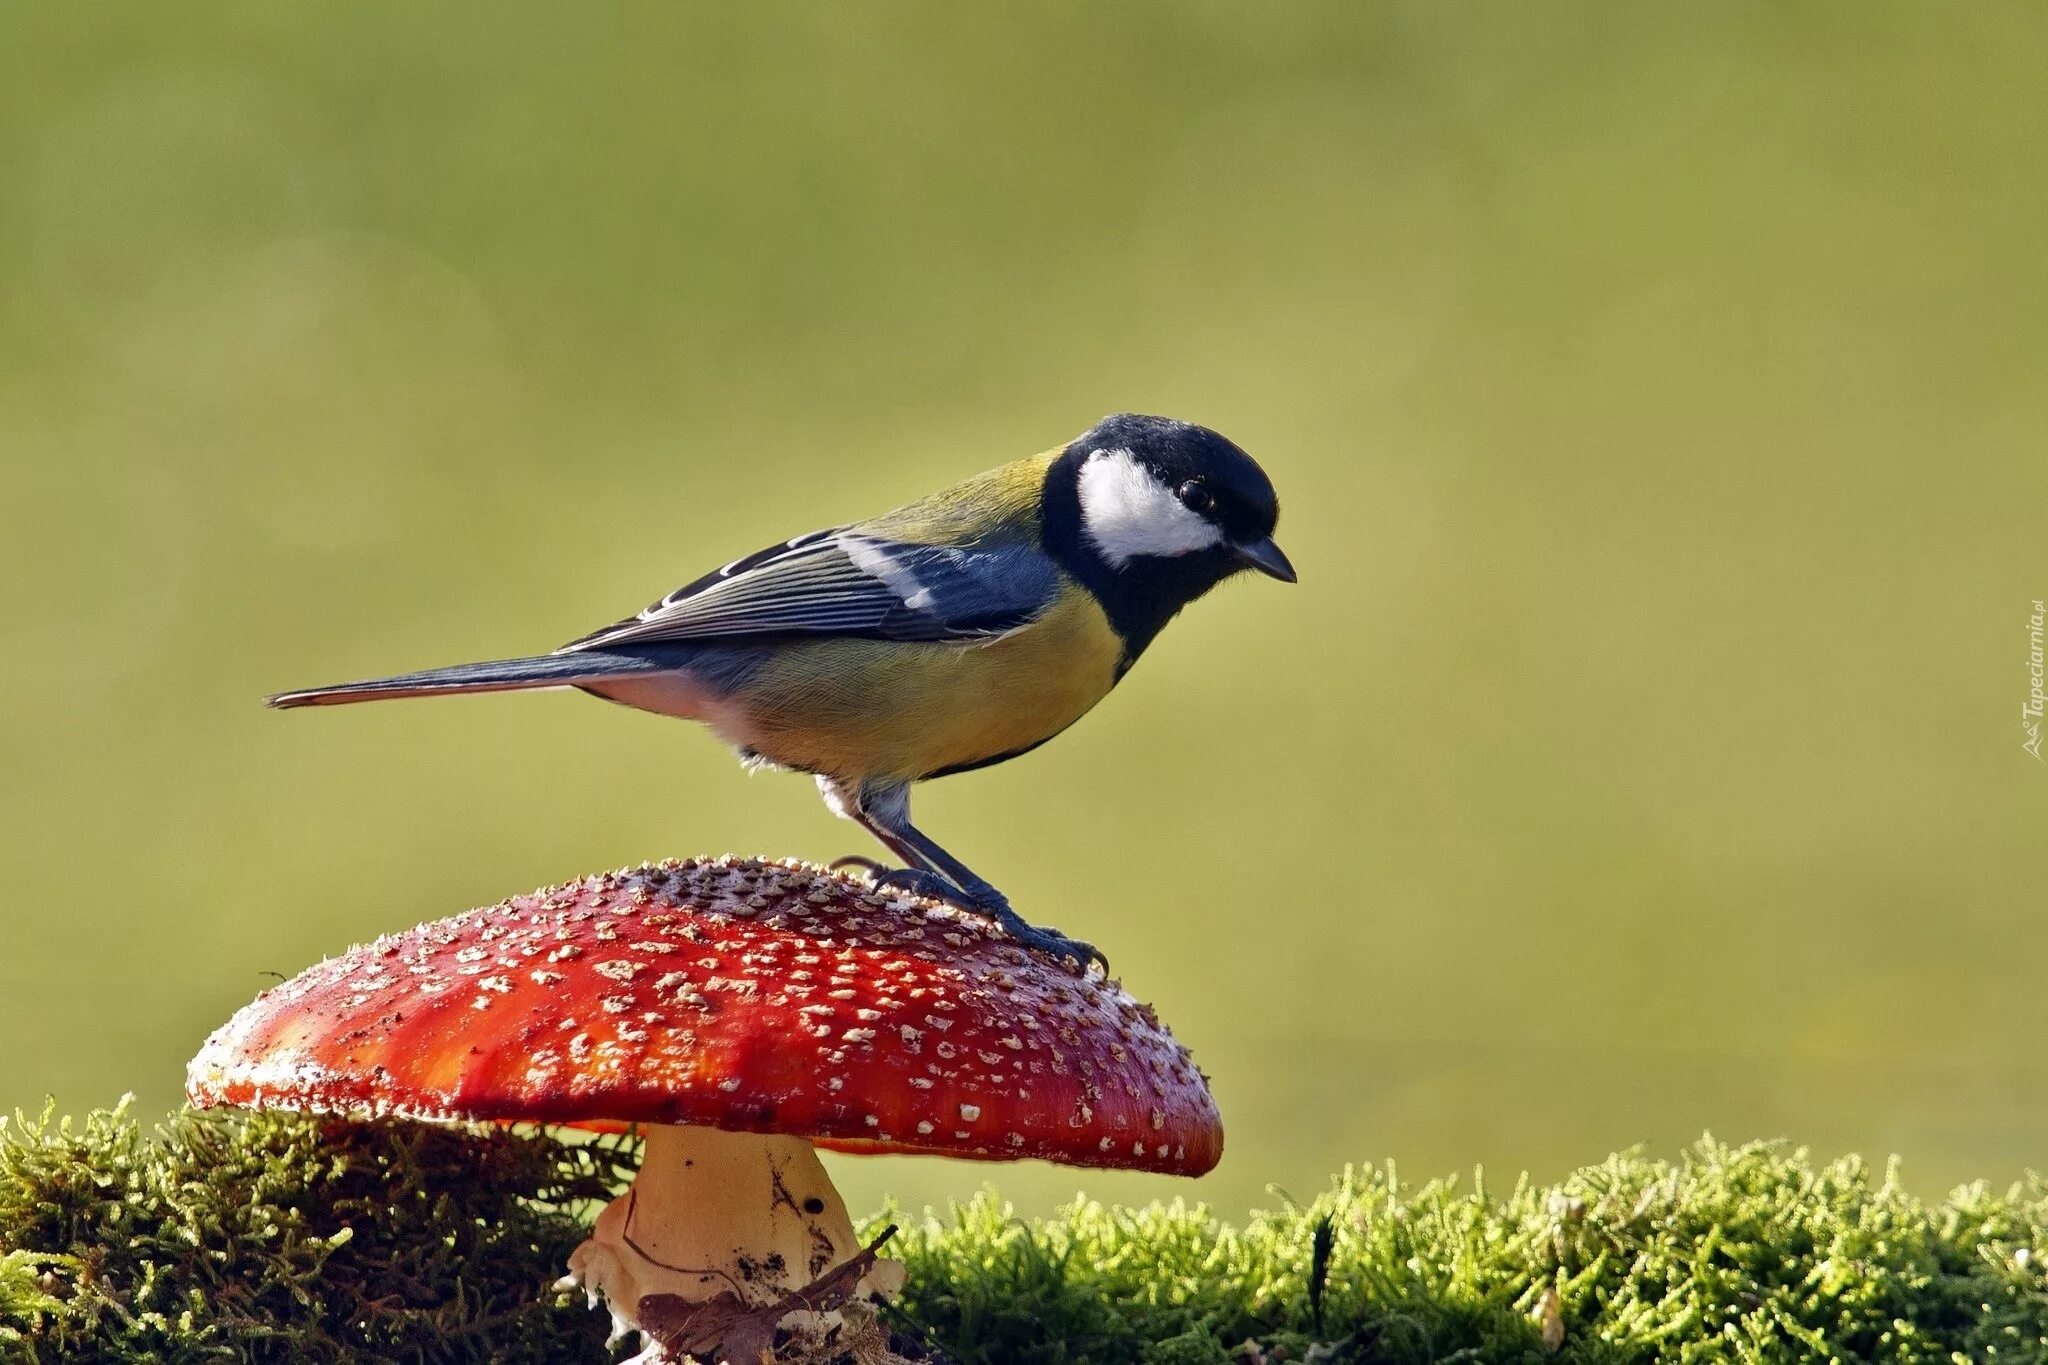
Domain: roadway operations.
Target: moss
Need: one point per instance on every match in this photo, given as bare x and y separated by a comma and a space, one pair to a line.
219, 1238
1734, 1253
280, 1238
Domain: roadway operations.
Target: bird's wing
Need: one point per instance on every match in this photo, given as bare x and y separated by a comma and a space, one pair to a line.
850, 581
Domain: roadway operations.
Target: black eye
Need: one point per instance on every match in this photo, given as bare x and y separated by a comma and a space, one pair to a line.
1195, 496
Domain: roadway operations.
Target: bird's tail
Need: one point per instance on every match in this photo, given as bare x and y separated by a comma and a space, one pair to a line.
498, 675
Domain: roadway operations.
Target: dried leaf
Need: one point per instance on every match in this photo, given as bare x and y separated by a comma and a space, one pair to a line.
1549, 1318
723, 1328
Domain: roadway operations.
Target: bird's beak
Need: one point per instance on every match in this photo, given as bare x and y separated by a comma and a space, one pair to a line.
1265, 556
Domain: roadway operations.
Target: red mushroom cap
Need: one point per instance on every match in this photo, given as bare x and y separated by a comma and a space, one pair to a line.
756, 997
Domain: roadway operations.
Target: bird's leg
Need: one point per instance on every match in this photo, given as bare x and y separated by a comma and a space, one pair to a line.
845, 800
884, 811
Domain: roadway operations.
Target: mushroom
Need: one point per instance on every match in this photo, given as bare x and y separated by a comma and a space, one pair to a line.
738, 1012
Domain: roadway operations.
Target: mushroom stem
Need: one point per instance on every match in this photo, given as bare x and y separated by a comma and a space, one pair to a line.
714, 1212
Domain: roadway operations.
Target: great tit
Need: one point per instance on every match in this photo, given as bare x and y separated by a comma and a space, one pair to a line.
962, 630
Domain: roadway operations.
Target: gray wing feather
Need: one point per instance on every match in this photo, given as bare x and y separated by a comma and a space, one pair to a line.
844, 581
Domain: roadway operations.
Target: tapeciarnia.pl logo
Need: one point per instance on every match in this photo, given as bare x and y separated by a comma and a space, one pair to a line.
2030, 713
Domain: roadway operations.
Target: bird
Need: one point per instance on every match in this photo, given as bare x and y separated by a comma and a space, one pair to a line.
957, 632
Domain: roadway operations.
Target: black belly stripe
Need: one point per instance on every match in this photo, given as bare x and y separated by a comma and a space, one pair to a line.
989, 762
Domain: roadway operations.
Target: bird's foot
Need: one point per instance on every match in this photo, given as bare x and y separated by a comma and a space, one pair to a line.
1047, 939
991, 903
915, 880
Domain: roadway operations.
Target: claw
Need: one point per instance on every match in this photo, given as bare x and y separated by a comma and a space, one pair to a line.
1080, 952
932, 886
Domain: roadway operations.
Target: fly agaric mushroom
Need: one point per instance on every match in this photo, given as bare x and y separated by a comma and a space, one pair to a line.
739, 1012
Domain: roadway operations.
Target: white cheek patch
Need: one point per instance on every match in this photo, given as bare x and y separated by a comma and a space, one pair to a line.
1125, 512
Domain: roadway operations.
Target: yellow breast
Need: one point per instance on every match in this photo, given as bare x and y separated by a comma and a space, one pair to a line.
872, 709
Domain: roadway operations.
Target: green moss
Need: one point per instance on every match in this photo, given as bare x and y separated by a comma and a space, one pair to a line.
1734, 1253
276, 1238
280, 1238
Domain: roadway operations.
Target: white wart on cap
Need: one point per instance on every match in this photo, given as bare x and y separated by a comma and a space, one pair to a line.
1126, 512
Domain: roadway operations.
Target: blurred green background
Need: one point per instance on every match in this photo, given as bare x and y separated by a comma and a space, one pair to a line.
1656, 394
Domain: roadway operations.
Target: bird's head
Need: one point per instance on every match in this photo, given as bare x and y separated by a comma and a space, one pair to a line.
1162, 511
1154, 488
